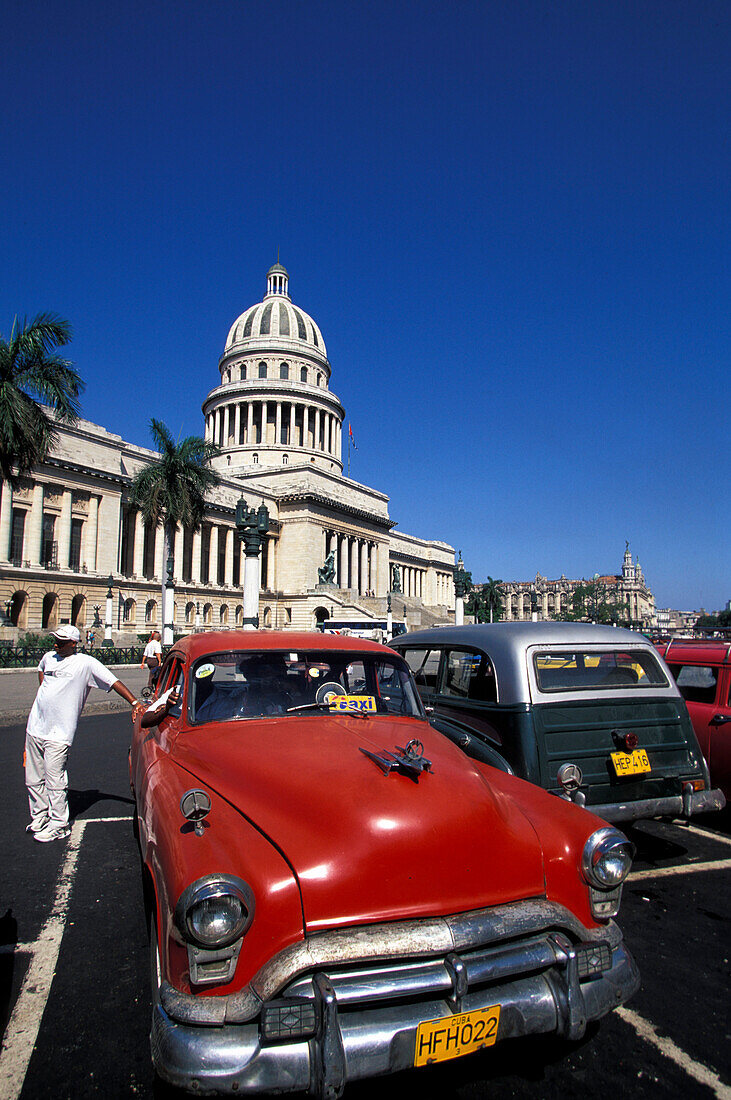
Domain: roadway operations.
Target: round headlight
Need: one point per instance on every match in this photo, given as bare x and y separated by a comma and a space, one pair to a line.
607, 859
215, 911
216, 921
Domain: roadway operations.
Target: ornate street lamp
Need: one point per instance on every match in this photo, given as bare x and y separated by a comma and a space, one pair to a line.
108, 614
197, 616
462, 585
252, 527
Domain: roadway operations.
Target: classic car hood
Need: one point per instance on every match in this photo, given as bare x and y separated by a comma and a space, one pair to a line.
365, 845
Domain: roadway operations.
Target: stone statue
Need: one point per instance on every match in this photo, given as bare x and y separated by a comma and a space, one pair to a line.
97, 620
396, 585
326, 572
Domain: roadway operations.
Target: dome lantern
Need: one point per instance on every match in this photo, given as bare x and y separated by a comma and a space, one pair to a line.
277, 281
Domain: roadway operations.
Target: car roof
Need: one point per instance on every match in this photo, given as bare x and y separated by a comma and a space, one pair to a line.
216, 641
701, 651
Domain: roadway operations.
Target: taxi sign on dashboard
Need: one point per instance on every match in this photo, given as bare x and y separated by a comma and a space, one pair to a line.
346, 703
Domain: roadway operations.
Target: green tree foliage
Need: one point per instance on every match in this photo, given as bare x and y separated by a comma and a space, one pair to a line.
486, 602
32, 376
706, 624
172, 488
595, 602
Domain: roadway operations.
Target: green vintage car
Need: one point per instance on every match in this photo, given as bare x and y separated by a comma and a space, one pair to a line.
590, 713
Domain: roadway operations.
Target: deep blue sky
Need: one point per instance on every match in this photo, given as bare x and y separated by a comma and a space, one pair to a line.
510, 220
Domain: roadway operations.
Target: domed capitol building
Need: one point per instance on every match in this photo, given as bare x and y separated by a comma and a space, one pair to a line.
68, 532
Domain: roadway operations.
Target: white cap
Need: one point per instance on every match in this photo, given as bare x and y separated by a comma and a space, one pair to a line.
66, 633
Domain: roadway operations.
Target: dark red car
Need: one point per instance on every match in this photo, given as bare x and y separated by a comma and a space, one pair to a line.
336, 891
702, 671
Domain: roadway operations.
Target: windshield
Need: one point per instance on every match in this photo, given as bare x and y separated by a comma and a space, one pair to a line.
269, 684
586, 670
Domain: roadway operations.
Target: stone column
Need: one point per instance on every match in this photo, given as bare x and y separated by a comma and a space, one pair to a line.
354, 582
250, 422
159, 555
6, 516
226, 424
139, 545
213, 556
271, 563
217, 427
35, 530
364, 585
178, 543
264, 419
92, 528
237, 425
64, 530
278, 422
228, 533
317, 430
343, 563
195, 563
292, 424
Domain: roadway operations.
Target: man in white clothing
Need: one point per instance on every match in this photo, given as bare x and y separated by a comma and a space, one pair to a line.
65, 679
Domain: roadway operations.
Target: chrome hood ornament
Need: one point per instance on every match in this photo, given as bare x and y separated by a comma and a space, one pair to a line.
410, 760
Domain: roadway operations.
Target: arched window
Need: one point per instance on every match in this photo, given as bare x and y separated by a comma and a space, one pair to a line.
49, 614
284, 370
130, 610
262, 370
321, 613
255, 458
78, 611
242, 371
319, 379
151, 611
285, 459
223, 615
239, 617
267, 616
303, 374
208, 614
190, 614
19, 610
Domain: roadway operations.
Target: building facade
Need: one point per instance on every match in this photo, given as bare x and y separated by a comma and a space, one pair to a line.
546, 599
69, 534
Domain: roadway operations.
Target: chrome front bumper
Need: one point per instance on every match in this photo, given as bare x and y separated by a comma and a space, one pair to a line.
363, 1030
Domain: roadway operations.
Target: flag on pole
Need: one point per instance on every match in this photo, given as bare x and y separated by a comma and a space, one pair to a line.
351, 438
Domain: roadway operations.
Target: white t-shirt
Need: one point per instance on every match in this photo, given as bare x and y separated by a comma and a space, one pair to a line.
66, 684
152, 649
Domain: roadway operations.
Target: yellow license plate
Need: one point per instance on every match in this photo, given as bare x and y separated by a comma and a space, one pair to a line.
631, 763
453, 1036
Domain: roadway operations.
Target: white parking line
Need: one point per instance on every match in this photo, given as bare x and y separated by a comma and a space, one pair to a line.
25, 1020
700, 831
671, 1050
686, 869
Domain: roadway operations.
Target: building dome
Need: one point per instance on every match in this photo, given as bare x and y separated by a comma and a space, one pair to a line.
274, 319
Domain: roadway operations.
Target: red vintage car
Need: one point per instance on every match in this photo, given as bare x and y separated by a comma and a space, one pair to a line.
702, 671
335, 891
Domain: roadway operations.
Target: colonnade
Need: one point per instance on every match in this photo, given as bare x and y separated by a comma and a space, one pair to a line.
356, 561
282, 423
211, 555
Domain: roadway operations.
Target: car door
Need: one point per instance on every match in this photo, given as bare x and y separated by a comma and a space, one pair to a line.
699, 684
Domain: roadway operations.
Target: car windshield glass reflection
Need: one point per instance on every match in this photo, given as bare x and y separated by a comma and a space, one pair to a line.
240, 684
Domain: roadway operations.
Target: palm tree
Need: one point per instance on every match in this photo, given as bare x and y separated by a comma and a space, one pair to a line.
30, 369
172, 489
493, 594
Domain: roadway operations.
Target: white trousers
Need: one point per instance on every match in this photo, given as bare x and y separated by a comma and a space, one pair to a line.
47, 780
